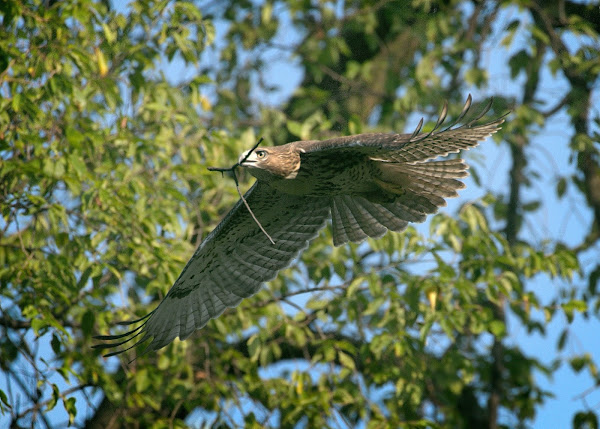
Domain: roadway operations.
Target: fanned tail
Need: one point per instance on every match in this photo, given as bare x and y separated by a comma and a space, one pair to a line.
408, 193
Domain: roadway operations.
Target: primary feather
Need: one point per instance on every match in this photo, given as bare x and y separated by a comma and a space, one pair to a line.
366, 184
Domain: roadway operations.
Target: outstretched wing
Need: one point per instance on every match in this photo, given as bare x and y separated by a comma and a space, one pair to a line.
406, 184
415, 147
230, 264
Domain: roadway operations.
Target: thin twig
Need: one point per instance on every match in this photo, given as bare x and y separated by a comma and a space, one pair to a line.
251, 213
237, 185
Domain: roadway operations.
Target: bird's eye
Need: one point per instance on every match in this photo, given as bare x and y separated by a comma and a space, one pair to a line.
261, 154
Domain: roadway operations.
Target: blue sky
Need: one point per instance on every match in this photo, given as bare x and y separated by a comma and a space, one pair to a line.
566, 219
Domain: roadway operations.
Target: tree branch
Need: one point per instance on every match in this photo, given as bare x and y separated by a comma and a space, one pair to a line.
587, 161
109, 415
14, 324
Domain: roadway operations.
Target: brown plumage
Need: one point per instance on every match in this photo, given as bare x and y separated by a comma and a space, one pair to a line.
366, 184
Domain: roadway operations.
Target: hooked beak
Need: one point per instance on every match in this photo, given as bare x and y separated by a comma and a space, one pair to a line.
251, 159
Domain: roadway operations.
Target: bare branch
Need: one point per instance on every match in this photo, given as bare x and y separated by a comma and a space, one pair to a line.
562, 103
14, 324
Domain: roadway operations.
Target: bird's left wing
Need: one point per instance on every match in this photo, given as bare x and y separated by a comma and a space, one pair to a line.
230, 264
415, 147
407, 183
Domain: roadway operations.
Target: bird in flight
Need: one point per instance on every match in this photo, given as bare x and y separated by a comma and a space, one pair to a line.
365, 184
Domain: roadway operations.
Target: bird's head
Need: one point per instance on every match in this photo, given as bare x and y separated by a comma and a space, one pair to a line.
279, 161
256, 159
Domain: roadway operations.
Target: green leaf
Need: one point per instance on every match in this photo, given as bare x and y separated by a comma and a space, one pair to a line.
374, 307
346, 361
4, 400
476, 76
55, 344
532, 206
497, 328
16, 102
37, 325
142, 381
87, 323
108, 33
561, 187
540, 34
54, 399
317, 304
71, 409
573, 306
585, 420
518, 62
580, 362
354, 285
266, 13
78, 165
294, 127
254, 347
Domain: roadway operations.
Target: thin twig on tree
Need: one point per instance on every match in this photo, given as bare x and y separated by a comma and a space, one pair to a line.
237, 185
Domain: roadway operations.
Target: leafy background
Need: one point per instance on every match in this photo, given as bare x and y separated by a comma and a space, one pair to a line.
109, 114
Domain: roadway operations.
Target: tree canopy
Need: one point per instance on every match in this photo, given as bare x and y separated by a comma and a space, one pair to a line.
109, 116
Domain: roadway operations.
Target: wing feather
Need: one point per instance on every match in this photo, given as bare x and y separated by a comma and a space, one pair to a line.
414, 191
367, 223
338, 226
231, 264
415, 147
352, 228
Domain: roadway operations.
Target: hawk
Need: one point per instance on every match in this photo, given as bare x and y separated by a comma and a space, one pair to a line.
365, 184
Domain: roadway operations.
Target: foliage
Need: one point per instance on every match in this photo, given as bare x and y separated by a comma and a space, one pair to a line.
108, 118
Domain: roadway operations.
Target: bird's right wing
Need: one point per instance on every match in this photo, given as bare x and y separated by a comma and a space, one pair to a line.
234, 260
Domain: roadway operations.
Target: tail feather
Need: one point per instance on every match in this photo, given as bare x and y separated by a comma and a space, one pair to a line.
442, 188
434, 177
407, 193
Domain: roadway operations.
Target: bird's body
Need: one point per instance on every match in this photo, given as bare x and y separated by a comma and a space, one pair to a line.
326, 175
365, 184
